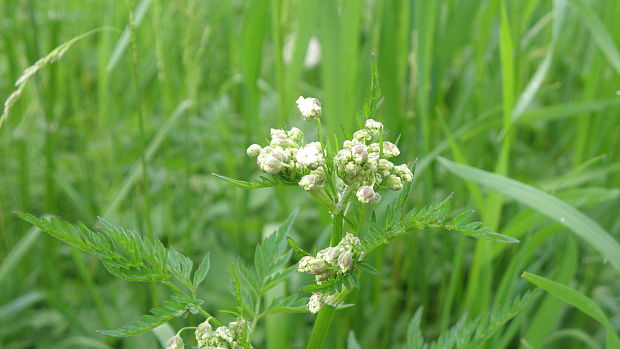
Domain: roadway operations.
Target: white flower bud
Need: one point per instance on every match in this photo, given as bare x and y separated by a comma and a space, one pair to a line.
343, 156
373, 162
366, 194
295, 134
224, 333
347, 144
321, 278
204, 331
311, 156
359, 153
345, 261
310, 108
385, 165
311, 265
329, 255
403, 172
237, 327
315, 303
351, 169
390, 150
362, 136
175, 342
393, 183
270, 163
349, 240
254, 150
374, 126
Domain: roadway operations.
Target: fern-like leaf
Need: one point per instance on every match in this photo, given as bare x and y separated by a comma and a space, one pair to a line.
162, 314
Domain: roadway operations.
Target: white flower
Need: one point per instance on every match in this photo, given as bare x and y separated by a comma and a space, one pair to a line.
224, 333
311, 155
311, 265
359, 153
343, 156
237, 327
403, 172
315, 303
349, 240
394, 183
374, 126
175, 342
345, 261
254, 150
385, 165
365, 194
310, 108
361, 136
273, 161
390, 150
329, 255
295, 134
203, 331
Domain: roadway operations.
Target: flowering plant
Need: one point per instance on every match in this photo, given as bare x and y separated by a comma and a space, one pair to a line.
346, 176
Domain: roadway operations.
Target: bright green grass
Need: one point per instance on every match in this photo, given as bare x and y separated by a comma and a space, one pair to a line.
525, 89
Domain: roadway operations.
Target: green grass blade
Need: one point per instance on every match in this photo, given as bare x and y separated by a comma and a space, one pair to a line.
579, 301
582, 225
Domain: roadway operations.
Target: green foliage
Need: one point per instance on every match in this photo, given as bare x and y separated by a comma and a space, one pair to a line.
263, 181
431, 217
468, 334
270, 268
579, 301
168, 310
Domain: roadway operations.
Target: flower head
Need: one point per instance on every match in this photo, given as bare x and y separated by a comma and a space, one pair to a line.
366, 194
310, 108
373, 126
316, 303
254, 150
311, 156
175, 342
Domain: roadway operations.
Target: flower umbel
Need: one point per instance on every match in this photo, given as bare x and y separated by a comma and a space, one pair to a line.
310, 108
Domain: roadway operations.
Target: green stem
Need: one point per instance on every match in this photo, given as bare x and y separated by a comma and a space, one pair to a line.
321, 327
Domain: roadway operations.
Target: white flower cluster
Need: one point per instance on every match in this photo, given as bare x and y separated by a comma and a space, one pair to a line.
224, 337
310, 108
365, 163
175, 342
329, 262
285, 154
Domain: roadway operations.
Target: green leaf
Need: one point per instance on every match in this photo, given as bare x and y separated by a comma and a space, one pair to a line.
201, 273
180, 267
579, 301
546, 204
263, 182
162, 314
300, 252
415, 340
123, 253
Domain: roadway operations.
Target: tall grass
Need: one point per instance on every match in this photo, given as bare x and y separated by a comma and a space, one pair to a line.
520, 89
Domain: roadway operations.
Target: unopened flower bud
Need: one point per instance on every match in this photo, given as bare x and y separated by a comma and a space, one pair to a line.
254, 150
366, 194
359, 153
175, 342
374, 126
309, 182
385, 165
394, 183
329, 255
311, 265
295, 134
390, 150
310, 108
315, 303
203, 331
362, 135
311, 155
237, 327
345, 261
403, 172
349, 240
224, 333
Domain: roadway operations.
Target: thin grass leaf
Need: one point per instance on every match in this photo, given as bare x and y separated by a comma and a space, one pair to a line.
262, 182
579, 301
582, 225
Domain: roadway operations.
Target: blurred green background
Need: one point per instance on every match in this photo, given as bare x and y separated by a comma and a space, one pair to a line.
523, 88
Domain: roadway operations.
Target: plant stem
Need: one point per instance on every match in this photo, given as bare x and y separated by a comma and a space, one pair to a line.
321, 327
326, 315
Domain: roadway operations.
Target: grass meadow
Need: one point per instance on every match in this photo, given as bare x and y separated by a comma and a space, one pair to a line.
510, 105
